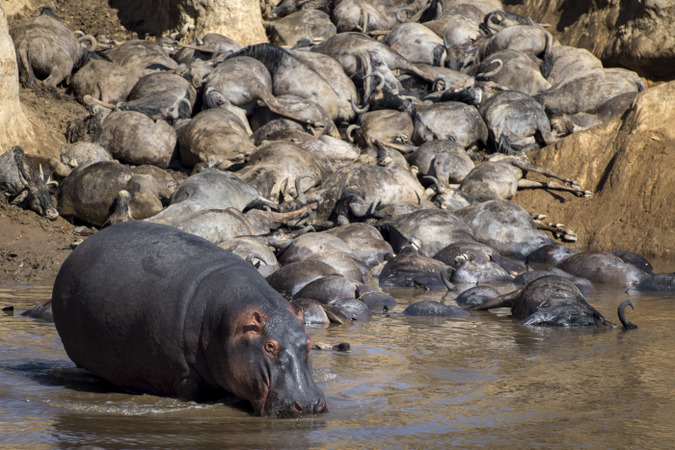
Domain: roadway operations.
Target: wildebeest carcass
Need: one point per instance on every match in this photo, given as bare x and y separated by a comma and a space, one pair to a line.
553, 301
26, 180
46, 50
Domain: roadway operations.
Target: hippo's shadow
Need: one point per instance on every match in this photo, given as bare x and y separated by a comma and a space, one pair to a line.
68, 376
82, 380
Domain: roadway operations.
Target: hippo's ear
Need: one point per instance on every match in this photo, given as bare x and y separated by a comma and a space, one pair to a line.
300, 314
297, 312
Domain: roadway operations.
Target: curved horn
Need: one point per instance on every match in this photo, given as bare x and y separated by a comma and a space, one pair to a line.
253, 255
18, 160
438, 79
627, 325
91, 40
374, 205
435, 182
494, 71
278, 243
380, 83
174, 112
446, 279
268, 203
349, 132
357, 109
401, 10
89, 101
300, 193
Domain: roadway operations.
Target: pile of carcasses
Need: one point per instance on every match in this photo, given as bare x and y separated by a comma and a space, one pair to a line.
369, 141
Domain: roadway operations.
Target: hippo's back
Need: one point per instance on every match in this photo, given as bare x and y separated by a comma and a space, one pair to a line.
129, 301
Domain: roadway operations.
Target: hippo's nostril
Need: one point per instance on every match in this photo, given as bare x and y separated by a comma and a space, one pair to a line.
298, 407
320, 406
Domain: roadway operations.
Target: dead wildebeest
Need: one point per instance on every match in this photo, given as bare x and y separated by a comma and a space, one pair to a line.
504, 226
364, 16
501, 176
553, 301
26, 180
352, 50
242, 81
306, 23
161, 95
314, 77
47, 50
134, 138
282, 171
417, 43
450, 120
513, 69
102, 80
529, 39
140, 57
215, 136
515, 122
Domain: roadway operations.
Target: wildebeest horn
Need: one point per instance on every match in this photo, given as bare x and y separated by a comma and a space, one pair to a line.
374, 205
627, 325
494, 71
357, 109
435, 182
444, 79
89, 39
401, 10
349, 132
251, 256
89, 101
18, 160
277, 242
446, 279
300, 193
174, 112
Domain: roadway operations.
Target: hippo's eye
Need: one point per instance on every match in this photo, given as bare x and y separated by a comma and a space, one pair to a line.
271, 346
253, 328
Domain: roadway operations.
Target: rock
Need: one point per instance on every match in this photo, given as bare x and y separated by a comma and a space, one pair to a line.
15, 127
625, 162
240, 20
631, 34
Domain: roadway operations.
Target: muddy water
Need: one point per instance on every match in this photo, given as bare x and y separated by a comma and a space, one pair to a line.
408, 382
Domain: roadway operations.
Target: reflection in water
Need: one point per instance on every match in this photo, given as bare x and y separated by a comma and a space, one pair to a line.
479, 381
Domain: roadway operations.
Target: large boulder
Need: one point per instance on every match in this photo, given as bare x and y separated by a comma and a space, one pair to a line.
240, 20
14, 126
636, 34
627, 163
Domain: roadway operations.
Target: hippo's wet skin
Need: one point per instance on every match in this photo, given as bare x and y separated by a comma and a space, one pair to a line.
153, 309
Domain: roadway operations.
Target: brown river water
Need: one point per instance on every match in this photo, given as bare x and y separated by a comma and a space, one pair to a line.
407, 383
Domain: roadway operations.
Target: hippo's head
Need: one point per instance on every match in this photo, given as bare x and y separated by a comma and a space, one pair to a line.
268, 364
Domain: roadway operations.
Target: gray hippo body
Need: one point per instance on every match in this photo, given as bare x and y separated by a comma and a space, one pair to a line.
153, 309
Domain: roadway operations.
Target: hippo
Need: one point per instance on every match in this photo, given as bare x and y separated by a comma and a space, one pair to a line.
156, 310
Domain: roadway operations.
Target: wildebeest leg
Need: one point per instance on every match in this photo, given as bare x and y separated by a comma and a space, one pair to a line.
527, 167
558, 230
505, 300
529, 184
287, 216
